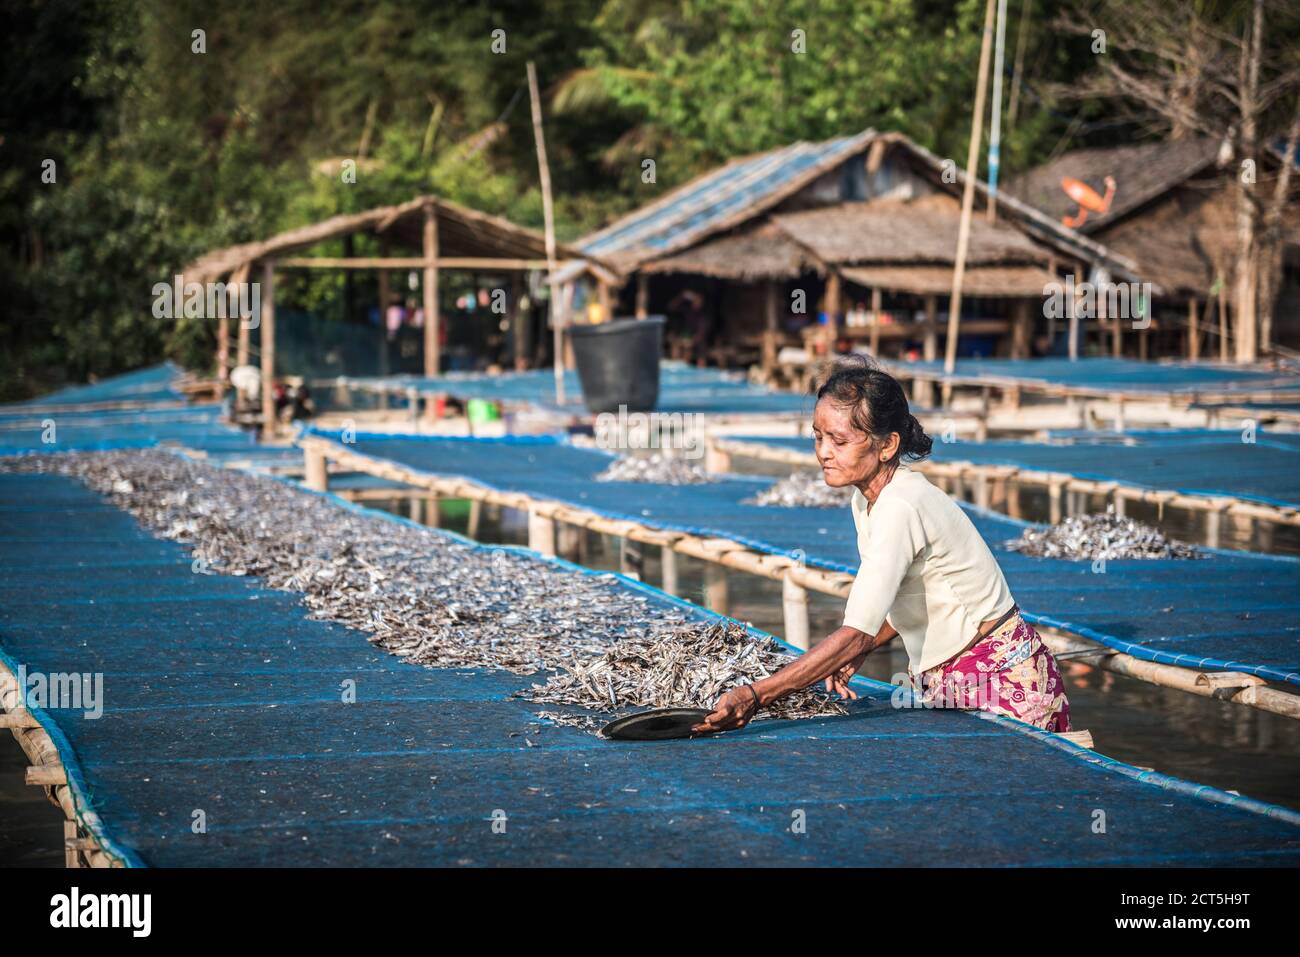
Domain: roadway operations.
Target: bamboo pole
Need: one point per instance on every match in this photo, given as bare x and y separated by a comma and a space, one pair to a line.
642, 296
668, 564
995, 127
1193, 330
968, 194
240, 276
267, 330
544, 171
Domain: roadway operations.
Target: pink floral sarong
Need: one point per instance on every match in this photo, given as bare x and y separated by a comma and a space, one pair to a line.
1009, 671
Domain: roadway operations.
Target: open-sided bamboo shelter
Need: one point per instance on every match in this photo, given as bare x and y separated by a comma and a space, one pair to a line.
874, 210
434, 234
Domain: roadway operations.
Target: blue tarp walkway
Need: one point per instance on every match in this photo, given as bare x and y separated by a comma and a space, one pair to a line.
1237, 611
682, 388
1191, 461
222, 697
1099, 376
154, 384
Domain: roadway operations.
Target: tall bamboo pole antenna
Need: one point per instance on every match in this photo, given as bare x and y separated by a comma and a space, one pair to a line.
995, 128
968, 194
545, 171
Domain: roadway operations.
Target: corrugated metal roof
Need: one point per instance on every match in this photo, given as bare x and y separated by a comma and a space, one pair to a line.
719, 199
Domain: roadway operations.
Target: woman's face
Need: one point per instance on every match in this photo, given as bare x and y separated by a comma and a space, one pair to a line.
847, 455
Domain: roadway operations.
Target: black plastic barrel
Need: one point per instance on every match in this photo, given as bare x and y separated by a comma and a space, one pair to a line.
618, 363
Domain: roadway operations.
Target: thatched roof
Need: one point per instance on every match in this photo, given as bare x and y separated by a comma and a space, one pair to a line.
993, 281
462, 232
915, 231
762, 252
1142, 173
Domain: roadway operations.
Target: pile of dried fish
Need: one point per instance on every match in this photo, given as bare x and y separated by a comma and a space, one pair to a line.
657, 468
416, 593
1108, 536
429, 599
691, 667
802, 490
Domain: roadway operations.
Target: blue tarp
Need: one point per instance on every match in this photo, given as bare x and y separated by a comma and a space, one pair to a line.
222, 697
1119, 375
1237, 610
682, 388
196, 426
1194, 461
151, 384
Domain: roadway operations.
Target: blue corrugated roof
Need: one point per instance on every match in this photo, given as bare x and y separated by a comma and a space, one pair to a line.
697, 209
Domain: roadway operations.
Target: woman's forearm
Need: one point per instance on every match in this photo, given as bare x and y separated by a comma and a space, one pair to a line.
838, 649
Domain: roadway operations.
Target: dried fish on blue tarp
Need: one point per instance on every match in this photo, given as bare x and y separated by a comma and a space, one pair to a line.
658, 468
802, 490
1107, 536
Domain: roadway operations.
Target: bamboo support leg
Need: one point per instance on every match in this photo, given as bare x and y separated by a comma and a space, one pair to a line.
668, 562
982, 491
541, 533
1055, 493
716, 461
794, 605
316, 473
432, 512
414, 506
715, 588
631, 558
476, 519
1213, 527
569, 541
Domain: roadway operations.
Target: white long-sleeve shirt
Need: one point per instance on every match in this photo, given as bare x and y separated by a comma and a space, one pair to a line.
925, 569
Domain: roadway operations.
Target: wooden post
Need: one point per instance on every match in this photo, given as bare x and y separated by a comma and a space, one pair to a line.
317, 473
267, 329
541, 533
832, 311
1055, 493
240, 276
384, 296
794, 606
603, 297
874, 346
1193, 330
642, 296
715, 588
432, 512
1022, 325
223, 345
968, 194
1103, 312
1223, 326
568, 541
668, 562
414, 509
432, 347
770, 330
475, 518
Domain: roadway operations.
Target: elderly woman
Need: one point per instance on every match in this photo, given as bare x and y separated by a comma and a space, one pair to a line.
926, 575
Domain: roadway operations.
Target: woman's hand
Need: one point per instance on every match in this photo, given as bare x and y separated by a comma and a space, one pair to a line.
733, 710
838, 681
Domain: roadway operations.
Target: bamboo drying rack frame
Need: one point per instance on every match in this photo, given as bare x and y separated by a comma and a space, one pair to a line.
80, 846
1057, 484
796, 578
